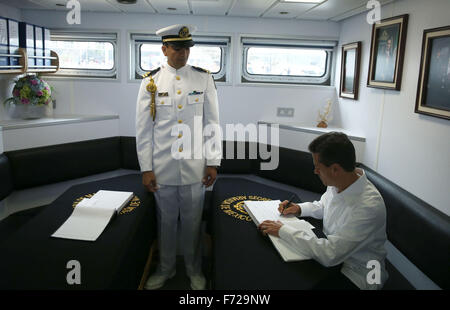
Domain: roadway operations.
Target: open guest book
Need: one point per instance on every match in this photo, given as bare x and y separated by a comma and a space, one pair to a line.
91, 215
261, 211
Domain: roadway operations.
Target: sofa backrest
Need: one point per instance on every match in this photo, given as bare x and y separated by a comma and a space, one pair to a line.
239, 157
129, 153
419, 231
5, 176
55, 163
295, 168
290, 167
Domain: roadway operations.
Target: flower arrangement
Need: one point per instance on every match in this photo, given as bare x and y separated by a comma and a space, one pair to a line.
31, 90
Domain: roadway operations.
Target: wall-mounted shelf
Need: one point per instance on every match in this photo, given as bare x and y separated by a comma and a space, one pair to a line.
298, 136
24, 67
18, 134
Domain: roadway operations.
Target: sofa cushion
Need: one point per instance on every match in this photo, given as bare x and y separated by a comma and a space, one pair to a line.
294, 168
5, 176
50, 164
419, 231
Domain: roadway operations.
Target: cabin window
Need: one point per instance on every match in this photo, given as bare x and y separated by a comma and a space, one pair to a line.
209, 53
287, 61
85, 54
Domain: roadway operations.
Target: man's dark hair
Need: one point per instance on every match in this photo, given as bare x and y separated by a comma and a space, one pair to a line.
334, 148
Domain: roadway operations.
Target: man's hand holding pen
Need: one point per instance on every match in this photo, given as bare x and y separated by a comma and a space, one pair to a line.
285, 208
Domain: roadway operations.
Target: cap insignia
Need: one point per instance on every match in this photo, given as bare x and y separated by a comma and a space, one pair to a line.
184, 32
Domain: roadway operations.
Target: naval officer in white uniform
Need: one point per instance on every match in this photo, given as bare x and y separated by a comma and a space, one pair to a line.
175, 104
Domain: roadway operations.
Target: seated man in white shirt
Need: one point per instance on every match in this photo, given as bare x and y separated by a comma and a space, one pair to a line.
353, 213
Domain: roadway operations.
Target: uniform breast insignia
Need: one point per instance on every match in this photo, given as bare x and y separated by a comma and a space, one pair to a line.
163, 94
195, 93
201, 69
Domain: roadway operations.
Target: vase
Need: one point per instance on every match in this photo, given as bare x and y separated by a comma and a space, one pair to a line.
29, 111
322, 124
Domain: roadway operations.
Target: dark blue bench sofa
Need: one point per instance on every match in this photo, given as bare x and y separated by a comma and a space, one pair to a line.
420, 232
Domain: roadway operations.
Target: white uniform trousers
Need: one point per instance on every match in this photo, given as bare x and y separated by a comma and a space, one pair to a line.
185, 201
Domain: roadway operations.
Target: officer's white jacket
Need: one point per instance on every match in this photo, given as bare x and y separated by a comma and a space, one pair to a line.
185, 136
354, 222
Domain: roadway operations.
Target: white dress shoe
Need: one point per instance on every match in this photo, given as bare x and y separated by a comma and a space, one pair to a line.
198, 282
158, 279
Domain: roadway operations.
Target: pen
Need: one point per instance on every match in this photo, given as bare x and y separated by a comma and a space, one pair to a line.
289, 202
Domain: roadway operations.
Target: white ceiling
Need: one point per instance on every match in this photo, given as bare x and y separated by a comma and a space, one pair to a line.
334, 10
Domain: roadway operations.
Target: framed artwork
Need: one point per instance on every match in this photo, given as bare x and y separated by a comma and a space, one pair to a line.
387, 51
350, 61
433, 90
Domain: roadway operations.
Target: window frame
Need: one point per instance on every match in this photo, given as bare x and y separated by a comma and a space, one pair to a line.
223, 42
81, 36
328, 46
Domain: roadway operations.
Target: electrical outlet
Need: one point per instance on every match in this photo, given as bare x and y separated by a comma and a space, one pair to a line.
285, 112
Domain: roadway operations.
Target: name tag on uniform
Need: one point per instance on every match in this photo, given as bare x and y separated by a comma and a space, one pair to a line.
195, 93
163, 94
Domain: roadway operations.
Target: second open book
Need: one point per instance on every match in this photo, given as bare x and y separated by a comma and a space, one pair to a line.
91, 216
261, 211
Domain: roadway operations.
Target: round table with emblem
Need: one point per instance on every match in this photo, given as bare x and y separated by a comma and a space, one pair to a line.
118, 259
245, 259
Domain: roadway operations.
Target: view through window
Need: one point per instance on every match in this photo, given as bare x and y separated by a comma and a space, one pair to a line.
206, 57
286, 61
84, 54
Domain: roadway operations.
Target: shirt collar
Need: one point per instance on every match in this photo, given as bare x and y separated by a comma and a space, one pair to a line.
173, 70
354, 191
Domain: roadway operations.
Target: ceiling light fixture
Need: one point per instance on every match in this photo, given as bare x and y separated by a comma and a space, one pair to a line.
303, 1
127, 1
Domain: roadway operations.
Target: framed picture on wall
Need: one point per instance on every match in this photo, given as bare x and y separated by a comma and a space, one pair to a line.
350, 61
433, 90
387, 51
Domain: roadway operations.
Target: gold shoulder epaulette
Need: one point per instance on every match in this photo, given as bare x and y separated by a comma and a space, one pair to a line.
151, 73
201, 69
